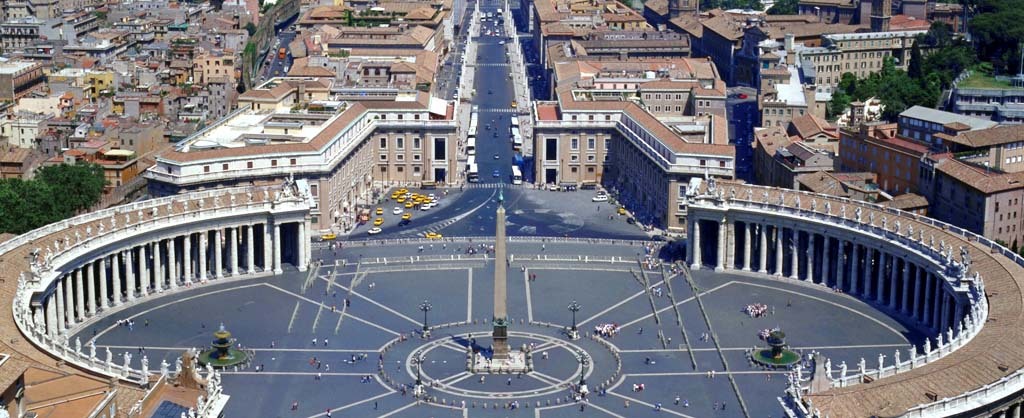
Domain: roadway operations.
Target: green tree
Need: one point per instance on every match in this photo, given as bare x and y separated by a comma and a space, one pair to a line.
251, 28
998, 32
784, 7
914, 68
57, 192
76, 187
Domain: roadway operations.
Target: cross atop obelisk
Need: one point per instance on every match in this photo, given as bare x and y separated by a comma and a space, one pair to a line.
500, 334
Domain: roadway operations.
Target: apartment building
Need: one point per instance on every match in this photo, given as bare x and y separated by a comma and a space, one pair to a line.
560, 21
344, 152
642, 128
858, 53
981, 200
807, 144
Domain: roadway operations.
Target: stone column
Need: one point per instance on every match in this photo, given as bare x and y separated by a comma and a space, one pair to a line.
203, 249
840, 265
158, 268
944, 312
826, 263
879, 282
894, 280
277, 249
809, 271
186, 259
929, 293
938, 304
61, 312
70, 303
918, 280
855, 269
958, 314
115, 270
172, 264
779, 233
730, 245
906, 286
746, 246
90, 285
103, 283
144, 270
268, 247
51, 314
129, 276
763, 249
304, 244
722, 239
250, 250
794, 256
694, 244
218, 247
233, 245
83, 276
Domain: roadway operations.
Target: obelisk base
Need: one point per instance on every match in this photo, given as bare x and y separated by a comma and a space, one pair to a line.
499, 343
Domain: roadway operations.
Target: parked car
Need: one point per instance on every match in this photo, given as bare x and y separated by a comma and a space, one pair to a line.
396, 211
373, 231
600, 198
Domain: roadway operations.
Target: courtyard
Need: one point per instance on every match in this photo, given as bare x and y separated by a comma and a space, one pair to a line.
357, 359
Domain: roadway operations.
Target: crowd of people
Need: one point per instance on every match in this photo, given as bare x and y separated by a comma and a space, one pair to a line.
756, 310
606, 330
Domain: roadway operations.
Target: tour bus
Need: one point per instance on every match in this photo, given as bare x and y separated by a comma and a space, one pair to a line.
472, 123
516, 138
471, 145
473, 175
517, 176
515, 121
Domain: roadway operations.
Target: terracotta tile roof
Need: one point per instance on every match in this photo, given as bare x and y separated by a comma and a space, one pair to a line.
980, 179
809, 125
770, 139
547, 112
908, 201
725, 26
822, 182
988, 137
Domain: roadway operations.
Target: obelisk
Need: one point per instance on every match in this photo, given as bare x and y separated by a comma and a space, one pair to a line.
500, 320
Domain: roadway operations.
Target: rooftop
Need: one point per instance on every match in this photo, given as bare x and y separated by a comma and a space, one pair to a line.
943, 117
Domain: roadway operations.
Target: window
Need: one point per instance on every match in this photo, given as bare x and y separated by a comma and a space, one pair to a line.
591, 158
415, 143
416, 170
721, 164
574, 158
400, 168
383, 157
574, 144
400, 143
575, 169
383, 143
224, 167
206, 169
607, 144
590, 169
273, 163
400, 157
703, 163
682, 190
415, 157
248, 164
292, 161
591, 143
313, 189
440, 149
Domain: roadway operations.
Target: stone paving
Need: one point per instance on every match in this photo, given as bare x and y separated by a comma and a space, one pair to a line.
363, 351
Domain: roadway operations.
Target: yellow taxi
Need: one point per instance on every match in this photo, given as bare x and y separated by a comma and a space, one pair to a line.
406, 216
380, 211
400, 200
378, 222
622, 211
409, 205
328, 236
403, 191
514, 104
395, 195
432, 235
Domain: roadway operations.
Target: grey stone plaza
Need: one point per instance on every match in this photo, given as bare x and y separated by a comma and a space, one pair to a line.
362, 358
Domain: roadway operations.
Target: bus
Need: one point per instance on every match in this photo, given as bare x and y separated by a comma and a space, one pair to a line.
517, 176
473, 119
515, 121
473, 175
516, 138
471, 145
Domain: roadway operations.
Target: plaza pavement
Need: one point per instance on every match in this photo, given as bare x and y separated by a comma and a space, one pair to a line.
288, 311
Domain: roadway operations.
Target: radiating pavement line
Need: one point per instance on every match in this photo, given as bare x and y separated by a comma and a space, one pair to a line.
610, 308
639, 402
623, 326
382, 328
469, 298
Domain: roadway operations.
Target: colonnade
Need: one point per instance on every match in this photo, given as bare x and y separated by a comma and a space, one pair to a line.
164, 264
846, 262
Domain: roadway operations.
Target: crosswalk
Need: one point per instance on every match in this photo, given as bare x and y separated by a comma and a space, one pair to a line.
495, 186
505, 110
491, 64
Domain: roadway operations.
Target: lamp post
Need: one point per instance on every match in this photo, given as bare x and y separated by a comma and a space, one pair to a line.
418, 390
426, 307
573, 332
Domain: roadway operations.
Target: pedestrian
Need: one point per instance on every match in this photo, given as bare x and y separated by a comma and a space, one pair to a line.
641, 331
314, 341
328, 412
325, 342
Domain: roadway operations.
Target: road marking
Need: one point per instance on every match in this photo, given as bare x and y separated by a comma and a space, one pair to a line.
453, 379
398, 314
469, 302
639, 402
821, 347
529, 300
295, 373
349, 315
400, 409
172, 302
544, 378
295, 313
624, 301
839, 305
623, 326
268, 350
676, 374
344, 407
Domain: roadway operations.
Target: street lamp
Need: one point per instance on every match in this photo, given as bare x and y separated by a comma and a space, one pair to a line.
418, 390
573, 332
426, 307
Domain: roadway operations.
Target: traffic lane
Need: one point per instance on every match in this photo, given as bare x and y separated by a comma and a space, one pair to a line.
451, 206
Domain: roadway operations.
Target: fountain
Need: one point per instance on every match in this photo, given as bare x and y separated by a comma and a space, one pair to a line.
221, 354
776, 355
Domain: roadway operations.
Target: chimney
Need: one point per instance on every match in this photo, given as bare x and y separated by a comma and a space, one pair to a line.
789, 43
